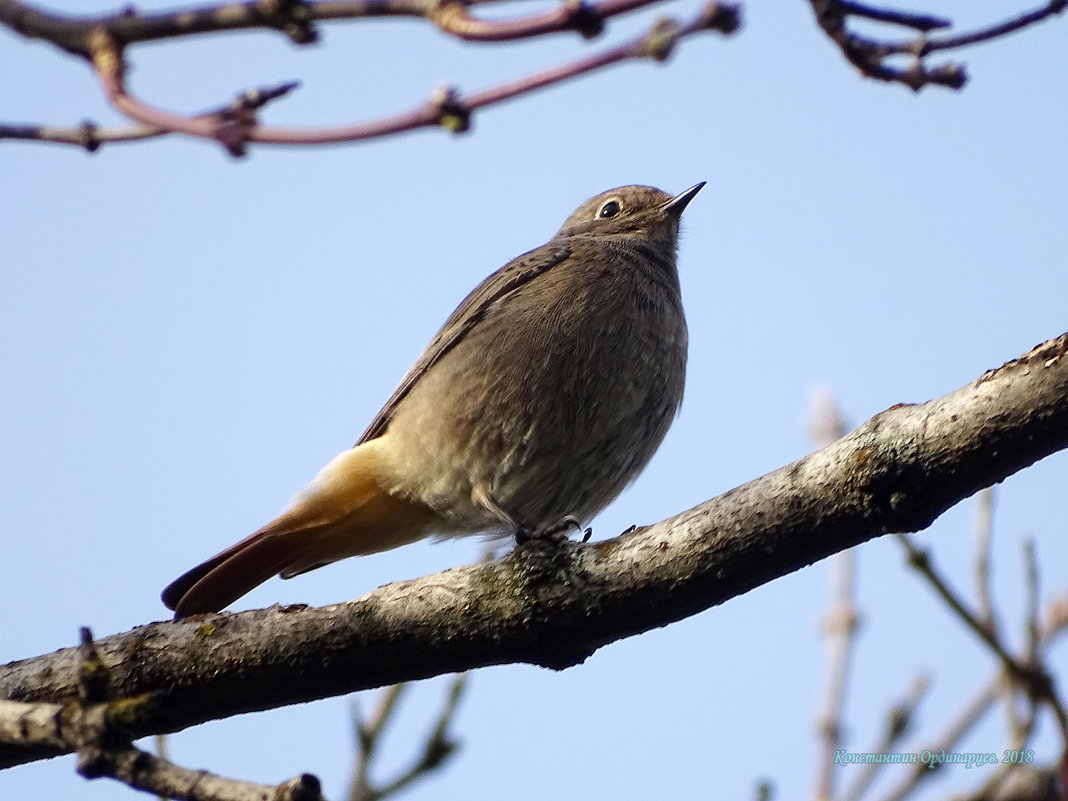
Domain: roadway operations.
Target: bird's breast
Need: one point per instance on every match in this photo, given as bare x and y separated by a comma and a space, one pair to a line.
552, 402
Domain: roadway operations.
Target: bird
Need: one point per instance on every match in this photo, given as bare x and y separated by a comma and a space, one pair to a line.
544, 394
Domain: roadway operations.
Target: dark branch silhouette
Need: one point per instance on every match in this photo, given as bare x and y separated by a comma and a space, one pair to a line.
871, 56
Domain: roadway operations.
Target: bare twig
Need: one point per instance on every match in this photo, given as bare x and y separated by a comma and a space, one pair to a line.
297, 20
920, 560
984, 529
1052, 8
87, 136
90, 137
870, 56
842, 622
1031, 612
368, 736
437, 747
1025, 675
840, 627
906, 19
104, 40
959, 728
1017, 677
446, 108
143, 771
898, 723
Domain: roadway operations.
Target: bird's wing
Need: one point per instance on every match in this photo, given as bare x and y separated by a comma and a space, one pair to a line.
506, 280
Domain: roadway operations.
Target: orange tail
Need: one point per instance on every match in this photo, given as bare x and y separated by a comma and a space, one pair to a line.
344, 512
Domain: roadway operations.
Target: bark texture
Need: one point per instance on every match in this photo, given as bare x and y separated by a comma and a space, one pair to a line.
555, 605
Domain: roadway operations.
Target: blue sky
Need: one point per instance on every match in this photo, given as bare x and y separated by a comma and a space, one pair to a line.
186, 339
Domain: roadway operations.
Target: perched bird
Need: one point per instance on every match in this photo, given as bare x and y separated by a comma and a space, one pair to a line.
544, 394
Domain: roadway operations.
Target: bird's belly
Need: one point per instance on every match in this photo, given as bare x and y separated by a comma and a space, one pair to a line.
537, 455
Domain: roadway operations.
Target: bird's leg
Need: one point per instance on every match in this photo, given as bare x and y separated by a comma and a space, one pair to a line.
554, 531
524, 533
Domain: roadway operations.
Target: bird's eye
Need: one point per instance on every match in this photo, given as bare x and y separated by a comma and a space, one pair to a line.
609, 209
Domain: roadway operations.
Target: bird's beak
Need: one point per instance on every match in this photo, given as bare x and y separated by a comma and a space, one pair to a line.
678, 203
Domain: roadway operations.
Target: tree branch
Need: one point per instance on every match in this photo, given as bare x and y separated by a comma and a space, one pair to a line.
437, 747
446, 108
103, 41
296, 19
870, 55
555, 605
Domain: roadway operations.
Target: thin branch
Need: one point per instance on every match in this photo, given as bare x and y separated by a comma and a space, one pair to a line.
1031, 612
368, 737
956, 731
446, 108
555, 604
1053, 8
920, 560
840, 627
437, 747
296, 19
103, 40
906, 19
90, 137
1033, 648
1028, 673
826, 424
870, 56
972, 714
87, 136
984, 530
898, 723
143, 771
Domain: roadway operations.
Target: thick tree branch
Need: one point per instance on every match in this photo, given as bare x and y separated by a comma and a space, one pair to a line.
555, 605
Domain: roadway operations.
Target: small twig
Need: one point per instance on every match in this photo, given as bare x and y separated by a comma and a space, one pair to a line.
898, 723
957, 730
87, 136
1028, 674
920, 560
1031, 624
840, 626
437, 746
826, 424
998, 30
103, 40
296, 20
869, 55
368, 736
919, 22
143, 771
1034, 645
446, 108
90, 137
984, 528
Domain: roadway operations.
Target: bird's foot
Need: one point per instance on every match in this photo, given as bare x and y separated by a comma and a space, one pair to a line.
557, 531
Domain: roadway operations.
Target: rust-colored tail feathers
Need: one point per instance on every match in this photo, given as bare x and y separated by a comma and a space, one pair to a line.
344, 512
